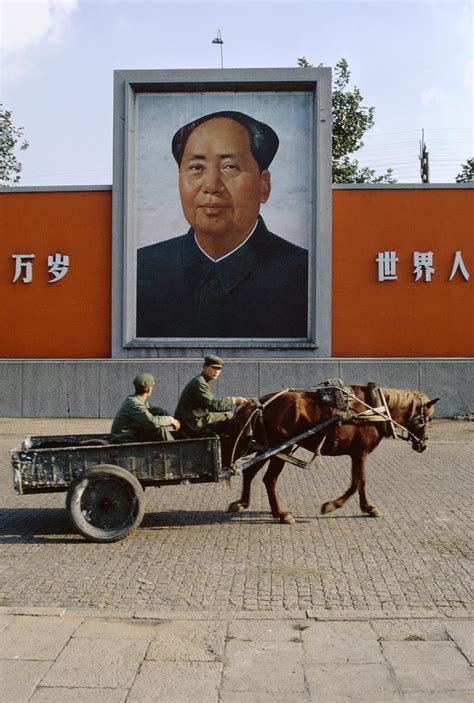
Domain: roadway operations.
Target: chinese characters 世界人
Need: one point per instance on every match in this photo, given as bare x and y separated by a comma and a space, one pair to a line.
423, 266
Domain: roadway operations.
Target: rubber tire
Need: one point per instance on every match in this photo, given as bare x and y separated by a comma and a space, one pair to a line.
127, 493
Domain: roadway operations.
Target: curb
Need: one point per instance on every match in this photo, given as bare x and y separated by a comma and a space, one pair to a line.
322, 615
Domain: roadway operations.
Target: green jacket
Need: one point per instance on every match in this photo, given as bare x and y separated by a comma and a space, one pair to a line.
135, 416
197, 406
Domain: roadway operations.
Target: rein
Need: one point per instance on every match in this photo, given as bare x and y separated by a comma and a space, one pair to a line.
258, 411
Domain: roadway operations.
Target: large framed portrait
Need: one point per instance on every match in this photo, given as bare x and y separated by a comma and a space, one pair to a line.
221, 210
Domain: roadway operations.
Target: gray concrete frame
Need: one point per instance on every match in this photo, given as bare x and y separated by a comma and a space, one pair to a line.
127, 85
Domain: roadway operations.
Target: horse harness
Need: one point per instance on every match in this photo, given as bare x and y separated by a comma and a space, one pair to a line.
338, 395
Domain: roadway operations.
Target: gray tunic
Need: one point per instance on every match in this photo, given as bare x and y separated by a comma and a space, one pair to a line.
136, 417
197, 408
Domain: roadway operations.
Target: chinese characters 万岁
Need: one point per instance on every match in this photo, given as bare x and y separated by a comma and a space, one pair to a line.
58, 267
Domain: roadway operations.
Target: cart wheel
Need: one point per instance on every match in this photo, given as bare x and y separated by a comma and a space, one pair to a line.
106, 503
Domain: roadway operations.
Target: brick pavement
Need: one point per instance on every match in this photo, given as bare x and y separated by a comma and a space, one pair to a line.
189, 555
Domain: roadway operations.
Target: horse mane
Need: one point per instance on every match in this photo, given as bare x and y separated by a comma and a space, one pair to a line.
396, 398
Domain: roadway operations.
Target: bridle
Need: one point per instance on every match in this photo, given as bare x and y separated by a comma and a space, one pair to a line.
418, 421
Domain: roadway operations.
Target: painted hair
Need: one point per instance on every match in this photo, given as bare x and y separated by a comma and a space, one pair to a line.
263, 139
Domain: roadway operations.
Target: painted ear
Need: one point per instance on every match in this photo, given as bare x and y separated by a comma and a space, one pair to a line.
431, 402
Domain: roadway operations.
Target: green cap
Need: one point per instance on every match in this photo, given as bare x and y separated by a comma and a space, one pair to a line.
212, 360
144, 381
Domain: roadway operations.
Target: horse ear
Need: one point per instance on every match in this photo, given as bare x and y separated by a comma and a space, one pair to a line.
431, 402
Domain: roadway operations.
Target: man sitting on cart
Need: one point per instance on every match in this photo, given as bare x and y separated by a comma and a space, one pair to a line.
198, 411
138, 421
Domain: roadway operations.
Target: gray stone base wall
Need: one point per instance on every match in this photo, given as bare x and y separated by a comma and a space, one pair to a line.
95, 388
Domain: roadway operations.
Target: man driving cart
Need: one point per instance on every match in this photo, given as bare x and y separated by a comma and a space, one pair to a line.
197, 410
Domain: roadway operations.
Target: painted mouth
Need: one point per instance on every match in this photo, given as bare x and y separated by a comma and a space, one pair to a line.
212, 208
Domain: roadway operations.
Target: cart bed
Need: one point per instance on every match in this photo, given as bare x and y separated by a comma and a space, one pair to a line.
52, 463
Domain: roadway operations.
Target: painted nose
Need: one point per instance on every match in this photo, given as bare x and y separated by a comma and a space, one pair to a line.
213, 181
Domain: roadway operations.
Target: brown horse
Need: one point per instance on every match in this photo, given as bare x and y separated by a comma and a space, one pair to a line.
273, 419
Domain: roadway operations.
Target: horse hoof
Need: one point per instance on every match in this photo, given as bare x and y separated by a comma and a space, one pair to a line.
235, 507
374, 512
287, 519
328, 507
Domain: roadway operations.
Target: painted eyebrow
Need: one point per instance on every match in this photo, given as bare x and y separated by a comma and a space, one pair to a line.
202, 157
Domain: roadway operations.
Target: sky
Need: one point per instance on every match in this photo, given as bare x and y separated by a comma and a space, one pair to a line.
413, 61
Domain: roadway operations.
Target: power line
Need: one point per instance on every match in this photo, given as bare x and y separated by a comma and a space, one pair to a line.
411, 131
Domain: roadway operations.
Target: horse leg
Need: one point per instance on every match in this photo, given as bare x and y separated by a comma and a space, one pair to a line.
365, 506
357, 484
270, 480
247, 477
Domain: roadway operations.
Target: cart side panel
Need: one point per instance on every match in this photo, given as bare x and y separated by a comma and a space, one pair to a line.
42, 470
157, 462
54, 469
188, 460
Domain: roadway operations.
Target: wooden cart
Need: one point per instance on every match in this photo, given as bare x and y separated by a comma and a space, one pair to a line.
104, 481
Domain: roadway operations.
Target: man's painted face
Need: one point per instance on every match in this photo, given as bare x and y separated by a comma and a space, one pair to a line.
220, 183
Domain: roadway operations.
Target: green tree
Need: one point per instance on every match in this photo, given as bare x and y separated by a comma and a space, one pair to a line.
350, 121
11, 140
467, 173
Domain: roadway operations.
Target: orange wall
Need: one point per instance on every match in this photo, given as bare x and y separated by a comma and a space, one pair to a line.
70, 318
402, 318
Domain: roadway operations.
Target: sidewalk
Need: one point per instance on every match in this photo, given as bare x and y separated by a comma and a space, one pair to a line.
64, 656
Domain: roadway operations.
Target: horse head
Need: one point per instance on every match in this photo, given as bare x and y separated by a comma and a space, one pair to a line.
417, 421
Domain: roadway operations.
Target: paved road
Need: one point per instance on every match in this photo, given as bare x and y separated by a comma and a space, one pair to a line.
189, 555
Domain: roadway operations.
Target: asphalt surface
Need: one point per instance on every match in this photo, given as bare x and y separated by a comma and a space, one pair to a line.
201, 605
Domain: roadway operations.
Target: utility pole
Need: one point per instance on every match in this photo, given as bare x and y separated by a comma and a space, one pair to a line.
424, 160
